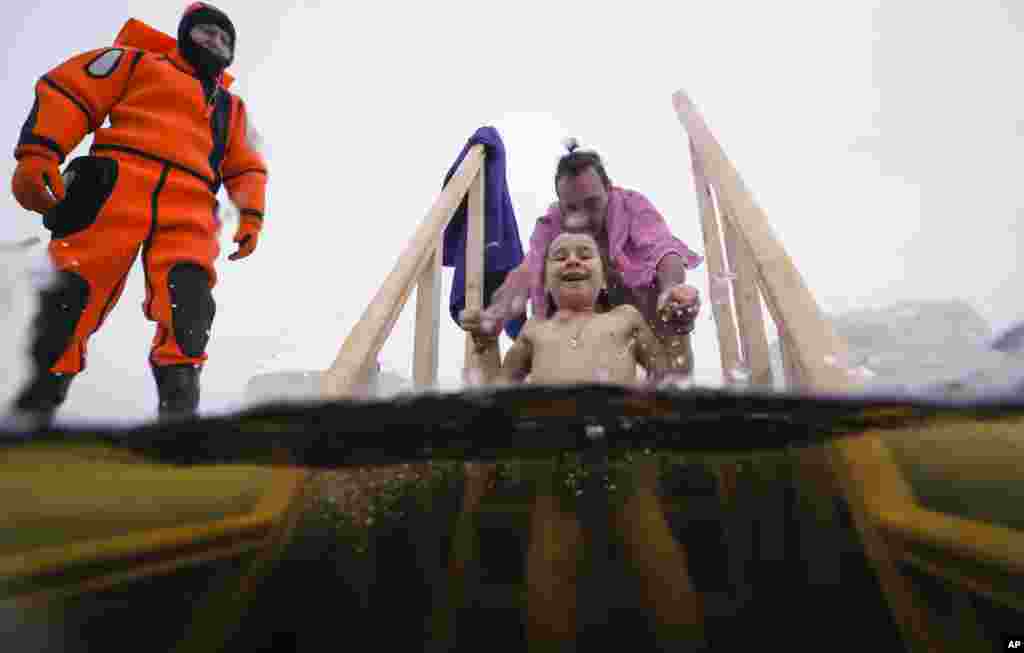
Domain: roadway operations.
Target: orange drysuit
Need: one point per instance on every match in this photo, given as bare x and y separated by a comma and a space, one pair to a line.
149, 186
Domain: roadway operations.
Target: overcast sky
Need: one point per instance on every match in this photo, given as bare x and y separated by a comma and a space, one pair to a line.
884, 143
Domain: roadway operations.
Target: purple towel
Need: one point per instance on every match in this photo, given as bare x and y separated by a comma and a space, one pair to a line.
503, 250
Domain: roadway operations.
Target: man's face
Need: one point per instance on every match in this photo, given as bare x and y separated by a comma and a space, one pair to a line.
214, 38
573, 271
583, 201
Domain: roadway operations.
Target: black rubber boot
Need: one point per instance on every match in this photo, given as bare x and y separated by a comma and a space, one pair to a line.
178, 388
38, 402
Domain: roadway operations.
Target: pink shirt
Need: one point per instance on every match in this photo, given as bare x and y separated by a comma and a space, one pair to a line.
638, 238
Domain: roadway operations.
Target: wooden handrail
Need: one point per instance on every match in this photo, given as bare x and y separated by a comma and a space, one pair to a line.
428, 319
363, 343
815, 349
474, 260
782, 281
753, 338
714, 253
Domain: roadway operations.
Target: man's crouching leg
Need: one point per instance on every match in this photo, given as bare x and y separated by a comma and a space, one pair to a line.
180, 346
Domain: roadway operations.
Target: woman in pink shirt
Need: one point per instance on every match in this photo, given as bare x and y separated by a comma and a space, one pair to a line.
647, 265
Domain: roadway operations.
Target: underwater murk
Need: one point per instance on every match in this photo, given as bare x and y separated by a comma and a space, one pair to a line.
526, 518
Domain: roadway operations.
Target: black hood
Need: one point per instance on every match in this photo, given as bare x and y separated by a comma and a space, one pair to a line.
206, 63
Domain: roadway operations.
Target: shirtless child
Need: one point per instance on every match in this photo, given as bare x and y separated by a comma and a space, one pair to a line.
581, 341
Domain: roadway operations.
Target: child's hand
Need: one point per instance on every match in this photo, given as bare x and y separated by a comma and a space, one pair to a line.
471, 319
477, 323
482, 329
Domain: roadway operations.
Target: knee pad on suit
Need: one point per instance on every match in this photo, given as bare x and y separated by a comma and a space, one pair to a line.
192, 307
61, 307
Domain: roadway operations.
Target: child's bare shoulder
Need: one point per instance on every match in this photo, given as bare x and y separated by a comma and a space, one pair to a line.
626, 313
529, 330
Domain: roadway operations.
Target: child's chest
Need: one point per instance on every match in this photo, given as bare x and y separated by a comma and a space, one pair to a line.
594, 351
599, 333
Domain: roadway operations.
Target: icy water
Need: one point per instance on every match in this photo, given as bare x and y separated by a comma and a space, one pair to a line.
672, 504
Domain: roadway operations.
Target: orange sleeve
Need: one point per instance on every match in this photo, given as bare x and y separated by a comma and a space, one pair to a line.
244, 170
73, 100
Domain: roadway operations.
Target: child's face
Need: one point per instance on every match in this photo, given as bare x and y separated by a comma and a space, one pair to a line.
573, 271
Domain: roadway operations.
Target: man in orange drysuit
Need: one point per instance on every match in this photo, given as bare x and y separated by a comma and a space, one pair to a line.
149, 185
